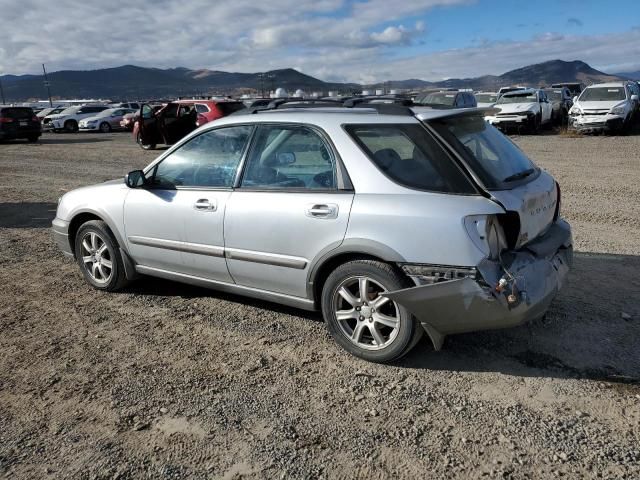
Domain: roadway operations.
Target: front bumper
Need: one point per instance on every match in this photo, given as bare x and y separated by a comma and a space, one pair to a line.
596, 123
510, 121
60, 231
87, 128
536, 273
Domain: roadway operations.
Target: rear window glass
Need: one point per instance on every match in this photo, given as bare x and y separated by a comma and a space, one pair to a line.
410, 156
227, 108
493, 157
17, 112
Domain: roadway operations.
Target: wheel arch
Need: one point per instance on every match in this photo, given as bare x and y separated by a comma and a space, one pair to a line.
349, 250
83, 216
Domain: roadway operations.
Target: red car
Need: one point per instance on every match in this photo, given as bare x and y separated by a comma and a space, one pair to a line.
177, 119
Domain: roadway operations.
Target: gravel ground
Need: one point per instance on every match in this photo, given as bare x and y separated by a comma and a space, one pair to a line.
171, 381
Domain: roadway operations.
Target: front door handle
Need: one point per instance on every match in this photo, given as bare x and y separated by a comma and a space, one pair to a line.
206, 205
321, 210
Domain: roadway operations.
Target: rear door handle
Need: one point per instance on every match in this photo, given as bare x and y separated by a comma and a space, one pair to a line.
321, 210
206, 205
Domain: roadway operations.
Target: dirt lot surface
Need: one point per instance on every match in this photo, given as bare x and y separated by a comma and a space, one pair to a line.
170, 381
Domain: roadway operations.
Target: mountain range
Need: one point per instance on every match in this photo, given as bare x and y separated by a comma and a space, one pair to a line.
133, 82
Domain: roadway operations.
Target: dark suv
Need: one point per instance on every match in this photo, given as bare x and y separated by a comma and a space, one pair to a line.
19, 122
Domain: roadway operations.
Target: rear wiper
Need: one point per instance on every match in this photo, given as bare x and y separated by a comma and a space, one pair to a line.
520, 175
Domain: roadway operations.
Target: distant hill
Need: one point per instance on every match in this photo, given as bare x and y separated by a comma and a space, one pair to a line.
629, 75
132, 82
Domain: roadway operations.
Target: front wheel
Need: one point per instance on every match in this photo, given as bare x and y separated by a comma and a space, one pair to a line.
33, 138
99, 257
105, 127
71, 126
361, 320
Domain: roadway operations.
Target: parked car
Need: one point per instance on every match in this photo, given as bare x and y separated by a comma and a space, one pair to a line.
128, 121
561, 103
105, 121
129, 105
522, 109
607, 107
486, 99
176, 119
575, 88
447, 99
19, 122
48, 111
69, 118
301, 208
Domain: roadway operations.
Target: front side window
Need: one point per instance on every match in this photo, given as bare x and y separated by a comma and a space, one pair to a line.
201, 108
493, 157
289, 156
410, 156
209, 160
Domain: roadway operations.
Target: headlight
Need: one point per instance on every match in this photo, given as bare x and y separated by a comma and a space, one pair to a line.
619, 110
575, 111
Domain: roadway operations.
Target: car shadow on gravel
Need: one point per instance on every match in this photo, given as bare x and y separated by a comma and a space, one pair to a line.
590, 331
71, 140
154, 286
27, 215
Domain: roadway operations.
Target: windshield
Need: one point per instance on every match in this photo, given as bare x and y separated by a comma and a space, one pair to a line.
554, 94
69, 110
491, 155
439, 98
518, 98
603, 94
486, 97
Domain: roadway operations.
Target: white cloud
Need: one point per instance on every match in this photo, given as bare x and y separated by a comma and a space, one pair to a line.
364, 44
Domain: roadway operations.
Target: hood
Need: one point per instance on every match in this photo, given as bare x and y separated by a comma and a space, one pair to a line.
56, 116
91, 119
599, 105
517, 107
485, 104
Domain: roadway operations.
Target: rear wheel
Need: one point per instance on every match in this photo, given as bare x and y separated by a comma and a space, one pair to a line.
361, 320
33, 138
534, 128
98, 256
71, 126
105, 127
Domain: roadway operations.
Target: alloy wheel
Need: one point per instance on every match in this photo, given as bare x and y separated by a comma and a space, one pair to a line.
96, 257
366, 318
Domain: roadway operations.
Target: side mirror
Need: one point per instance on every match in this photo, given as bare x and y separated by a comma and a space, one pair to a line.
634, 98
285, 158
575, 99
135, 179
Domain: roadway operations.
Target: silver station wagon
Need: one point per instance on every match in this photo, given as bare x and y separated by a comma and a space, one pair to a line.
393, 221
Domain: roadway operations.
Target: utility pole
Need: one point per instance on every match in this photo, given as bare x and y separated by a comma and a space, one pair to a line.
48, 85
261, 77
1, 93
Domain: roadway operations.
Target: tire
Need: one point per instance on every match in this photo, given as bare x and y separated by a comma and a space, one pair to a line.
534, 128
71, 126
150, 146
105, 127
33, 138
361, 331
98, 255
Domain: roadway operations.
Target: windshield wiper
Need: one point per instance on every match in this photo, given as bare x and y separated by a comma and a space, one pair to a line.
520, 175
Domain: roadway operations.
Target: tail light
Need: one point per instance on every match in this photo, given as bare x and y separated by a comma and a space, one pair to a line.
487, 234
201, 120
35, 118
6, 120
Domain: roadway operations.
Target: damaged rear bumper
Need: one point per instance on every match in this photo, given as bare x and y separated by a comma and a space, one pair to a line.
534, 276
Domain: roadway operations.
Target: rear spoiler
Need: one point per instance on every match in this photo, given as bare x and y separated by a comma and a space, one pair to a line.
425, 114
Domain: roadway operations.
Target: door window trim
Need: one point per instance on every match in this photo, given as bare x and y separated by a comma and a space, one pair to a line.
343, 182
153, 166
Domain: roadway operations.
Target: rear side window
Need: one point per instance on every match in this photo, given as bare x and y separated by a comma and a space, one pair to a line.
16, 113
410, 156
201, 108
